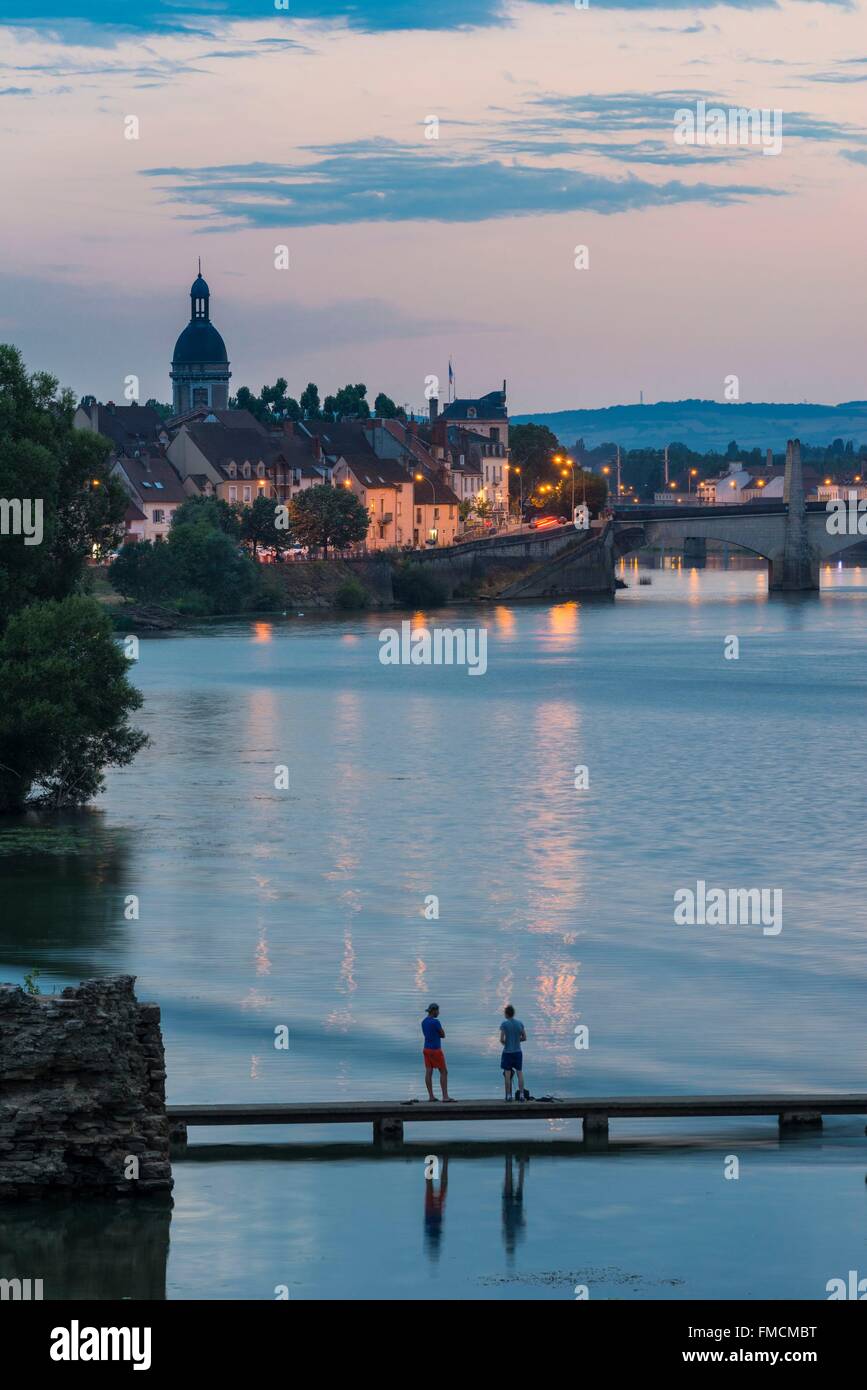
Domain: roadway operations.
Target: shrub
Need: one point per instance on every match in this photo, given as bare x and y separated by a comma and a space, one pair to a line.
351, 595
415, 587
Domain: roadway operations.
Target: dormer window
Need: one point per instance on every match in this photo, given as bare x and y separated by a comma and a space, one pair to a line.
260, 470
233, 471
471, 412
246, 470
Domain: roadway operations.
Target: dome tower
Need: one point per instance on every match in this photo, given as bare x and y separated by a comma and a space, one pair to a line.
200, 365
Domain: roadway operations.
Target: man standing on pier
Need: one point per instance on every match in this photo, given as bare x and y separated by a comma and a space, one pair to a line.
512, 1034
434, 1059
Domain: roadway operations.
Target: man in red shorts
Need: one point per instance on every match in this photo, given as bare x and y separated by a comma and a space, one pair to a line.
433, 1053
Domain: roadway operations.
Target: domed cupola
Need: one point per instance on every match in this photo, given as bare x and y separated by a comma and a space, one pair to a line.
200, 365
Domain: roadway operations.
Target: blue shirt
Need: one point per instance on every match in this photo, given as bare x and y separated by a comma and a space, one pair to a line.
512, 1028
433, 1031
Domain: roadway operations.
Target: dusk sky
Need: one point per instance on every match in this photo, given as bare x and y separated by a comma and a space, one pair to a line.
305, 127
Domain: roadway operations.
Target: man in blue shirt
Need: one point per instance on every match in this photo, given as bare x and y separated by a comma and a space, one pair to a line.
434, 1058
512, 1034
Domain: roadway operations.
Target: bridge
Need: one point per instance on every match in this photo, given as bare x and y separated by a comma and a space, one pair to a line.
791, 535
802, 1109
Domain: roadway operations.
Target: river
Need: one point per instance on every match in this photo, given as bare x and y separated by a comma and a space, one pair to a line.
432, 844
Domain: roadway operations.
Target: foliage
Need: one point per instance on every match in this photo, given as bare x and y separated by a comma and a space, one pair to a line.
309, 402
64, 704
259, 528
31, 979
215, 511
385, 408
270, 406
43, 458
351, 595
326, 516
415, 587
348, 404
531, 447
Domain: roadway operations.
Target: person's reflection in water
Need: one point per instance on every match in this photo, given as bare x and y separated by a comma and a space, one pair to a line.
434, 1207
514, 1220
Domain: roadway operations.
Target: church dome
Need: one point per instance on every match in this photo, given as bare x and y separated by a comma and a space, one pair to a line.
200, 342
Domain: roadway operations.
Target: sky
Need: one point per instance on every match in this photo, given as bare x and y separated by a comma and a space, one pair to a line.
555, 127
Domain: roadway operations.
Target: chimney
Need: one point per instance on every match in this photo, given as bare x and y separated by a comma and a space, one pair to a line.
769, 458
317, 447
289, 427
434, 408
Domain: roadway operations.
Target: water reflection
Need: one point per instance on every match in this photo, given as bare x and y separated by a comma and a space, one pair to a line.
88, 1250
435, 1190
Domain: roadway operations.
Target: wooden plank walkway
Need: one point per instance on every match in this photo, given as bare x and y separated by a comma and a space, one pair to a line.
389, 1116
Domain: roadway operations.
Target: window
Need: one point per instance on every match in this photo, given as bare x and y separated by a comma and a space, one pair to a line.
159, 485
495, 434
260, 470
200, 396
246, 470
418, 515
233, 470
159, 516
248, 493
233, 494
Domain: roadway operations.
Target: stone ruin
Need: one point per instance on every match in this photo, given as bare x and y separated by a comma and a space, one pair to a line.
82, 1092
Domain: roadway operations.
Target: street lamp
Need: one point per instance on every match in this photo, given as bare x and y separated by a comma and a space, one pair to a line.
516, 469
421, 478
693, 473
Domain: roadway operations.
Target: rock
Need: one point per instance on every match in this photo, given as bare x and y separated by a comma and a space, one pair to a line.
82, 1087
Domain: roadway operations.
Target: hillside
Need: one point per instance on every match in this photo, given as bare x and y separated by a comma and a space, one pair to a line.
707, 425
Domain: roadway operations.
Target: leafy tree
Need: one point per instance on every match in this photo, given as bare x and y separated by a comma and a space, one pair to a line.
328, 516
43, 458
64, 706
348, 404
309, 402
163, 408
385, 408
258, 527
482, 508
146, 571
464, 509
531, 448
210, 511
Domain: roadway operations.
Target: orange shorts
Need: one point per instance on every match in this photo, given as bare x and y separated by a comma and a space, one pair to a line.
433, 1057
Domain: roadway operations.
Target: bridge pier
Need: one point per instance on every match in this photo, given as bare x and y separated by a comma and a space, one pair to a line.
695, 551
388, 1131
793, 574
799, 1119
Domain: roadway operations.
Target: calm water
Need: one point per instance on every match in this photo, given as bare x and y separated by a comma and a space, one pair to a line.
306, 907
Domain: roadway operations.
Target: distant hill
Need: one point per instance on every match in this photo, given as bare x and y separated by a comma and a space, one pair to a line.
706, 425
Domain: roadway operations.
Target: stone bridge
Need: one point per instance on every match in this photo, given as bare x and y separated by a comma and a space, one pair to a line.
525, 564
791, 535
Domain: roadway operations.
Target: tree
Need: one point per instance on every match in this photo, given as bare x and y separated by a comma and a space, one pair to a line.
64, 706
348, 404
258, 527
211, 511
531, 448
328, 516
66, 471
385, 408
482, 508
162, 408
309, 402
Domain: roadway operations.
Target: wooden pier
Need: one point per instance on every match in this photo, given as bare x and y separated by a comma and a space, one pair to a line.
388, 1117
